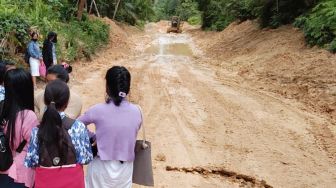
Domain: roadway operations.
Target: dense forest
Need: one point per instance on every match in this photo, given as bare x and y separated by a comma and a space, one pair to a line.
82, 37
317, 18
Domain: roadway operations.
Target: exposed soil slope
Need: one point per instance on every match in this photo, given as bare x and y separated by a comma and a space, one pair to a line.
209, 122
277, 60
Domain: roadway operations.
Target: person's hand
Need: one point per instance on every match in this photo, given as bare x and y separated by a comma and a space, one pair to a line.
94, 143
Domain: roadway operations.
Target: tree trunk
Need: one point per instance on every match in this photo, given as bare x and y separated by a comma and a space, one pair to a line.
116, 9
81, 5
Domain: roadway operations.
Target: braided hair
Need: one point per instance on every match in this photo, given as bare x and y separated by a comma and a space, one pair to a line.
118, 82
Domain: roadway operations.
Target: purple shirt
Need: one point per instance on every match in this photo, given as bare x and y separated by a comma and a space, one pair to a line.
116, 129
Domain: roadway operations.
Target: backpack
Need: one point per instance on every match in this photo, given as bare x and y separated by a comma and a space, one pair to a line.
6, 157
47, 155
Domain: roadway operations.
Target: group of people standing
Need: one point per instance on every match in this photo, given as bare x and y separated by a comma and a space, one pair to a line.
36, 57
48, 137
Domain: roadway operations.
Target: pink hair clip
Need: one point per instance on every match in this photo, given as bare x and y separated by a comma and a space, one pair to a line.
122, 94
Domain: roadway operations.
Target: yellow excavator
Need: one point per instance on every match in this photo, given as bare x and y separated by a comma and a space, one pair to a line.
175, 25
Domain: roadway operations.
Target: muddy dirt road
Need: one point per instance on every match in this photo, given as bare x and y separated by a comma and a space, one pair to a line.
236, 136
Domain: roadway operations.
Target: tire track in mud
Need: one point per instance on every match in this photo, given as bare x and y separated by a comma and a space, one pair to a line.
160, 106
243, 180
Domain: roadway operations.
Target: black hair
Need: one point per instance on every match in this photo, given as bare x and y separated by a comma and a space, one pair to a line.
118, 79
60, 72
68, 69
19, 96
7, 62
52, 35
51, 132
3, 70
32, 34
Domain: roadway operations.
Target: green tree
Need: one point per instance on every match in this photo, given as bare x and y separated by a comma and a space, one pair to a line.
188, 10
130, 11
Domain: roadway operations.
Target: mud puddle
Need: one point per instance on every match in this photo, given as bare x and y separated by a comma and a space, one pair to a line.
170, 45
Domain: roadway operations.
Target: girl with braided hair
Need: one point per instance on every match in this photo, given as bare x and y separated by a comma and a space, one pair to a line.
117, 122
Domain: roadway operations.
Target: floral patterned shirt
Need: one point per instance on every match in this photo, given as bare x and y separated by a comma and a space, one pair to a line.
80, 140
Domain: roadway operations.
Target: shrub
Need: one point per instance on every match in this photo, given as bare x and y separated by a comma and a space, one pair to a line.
275, 13
81, 39
187, 10
219, 14
75, 39
134, 12
319, 25
195, 20
13, 32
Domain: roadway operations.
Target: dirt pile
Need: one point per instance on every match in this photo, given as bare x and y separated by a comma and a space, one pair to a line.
119, 37
119, 47
276, 60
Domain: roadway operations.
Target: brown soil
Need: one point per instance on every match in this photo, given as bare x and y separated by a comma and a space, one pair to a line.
202, 116
276, 60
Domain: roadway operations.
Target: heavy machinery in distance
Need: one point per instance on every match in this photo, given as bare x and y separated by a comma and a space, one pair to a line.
175, 25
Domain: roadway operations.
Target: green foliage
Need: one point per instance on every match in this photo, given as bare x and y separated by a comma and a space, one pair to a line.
134, 12
319, 25
165, 9
195, 20
75, 39
278, 12
187, 10
219, 14
81, 39
13, 24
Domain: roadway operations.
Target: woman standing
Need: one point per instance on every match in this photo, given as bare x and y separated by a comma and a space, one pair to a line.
59, 146
35, 57
117, 122
19, 118
49, 50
